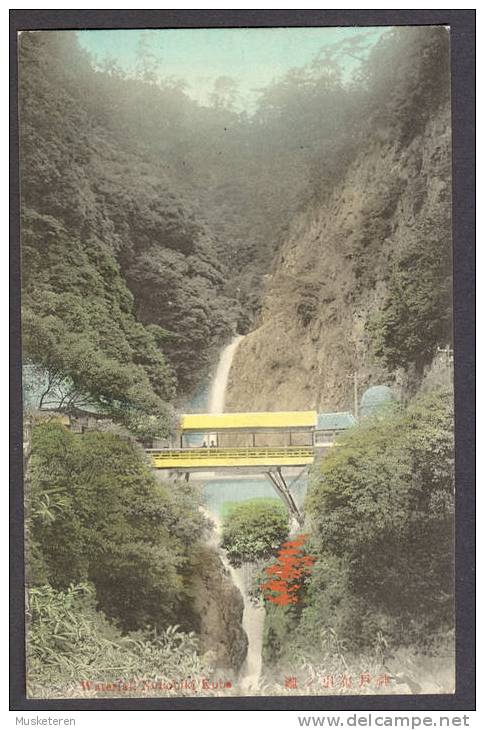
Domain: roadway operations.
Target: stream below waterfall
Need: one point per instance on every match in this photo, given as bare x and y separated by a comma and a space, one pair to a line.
218, 490
215, 493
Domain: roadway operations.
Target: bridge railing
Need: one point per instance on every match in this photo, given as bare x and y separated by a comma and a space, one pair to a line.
247, 452
246, 456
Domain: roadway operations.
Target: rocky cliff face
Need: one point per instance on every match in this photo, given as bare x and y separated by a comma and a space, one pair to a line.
332, 274
219, 606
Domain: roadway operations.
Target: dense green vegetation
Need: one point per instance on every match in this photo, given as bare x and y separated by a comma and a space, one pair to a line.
110, 246
253, 530
110, 557
97, 514
72, 646
80, 331
417, 312
381, 517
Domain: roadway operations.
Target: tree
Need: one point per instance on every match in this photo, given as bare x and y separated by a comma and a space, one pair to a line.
253, 530
224, 93
97, 514
286, 575
80, 332
381, 508
148, 60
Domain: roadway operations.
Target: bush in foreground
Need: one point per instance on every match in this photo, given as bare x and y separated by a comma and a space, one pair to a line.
73, 650
253, 530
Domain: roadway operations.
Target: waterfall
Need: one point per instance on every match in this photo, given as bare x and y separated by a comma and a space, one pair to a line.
253, 625
253, 615
217, 393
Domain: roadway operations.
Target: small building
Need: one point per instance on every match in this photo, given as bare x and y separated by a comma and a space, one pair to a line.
374, 399
331, 425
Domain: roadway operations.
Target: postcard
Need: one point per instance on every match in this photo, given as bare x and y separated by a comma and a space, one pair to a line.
238, 361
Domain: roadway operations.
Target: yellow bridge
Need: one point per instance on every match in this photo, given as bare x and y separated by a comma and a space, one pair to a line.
264, 442
235, 440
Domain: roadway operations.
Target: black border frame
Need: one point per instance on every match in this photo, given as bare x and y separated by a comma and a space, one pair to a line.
462, 24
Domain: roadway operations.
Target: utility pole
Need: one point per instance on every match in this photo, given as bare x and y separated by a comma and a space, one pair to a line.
356, 395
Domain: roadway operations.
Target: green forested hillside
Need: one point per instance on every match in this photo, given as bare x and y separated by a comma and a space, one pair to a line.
110, 248
173, 213
362, 283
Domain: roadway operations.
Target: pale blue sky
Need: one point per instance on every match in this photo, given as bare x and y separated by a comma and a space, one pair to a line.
253, 56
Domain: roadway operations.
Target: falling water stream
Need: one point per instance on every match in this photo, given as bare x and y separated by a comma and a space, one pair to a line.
217, 392
253, 615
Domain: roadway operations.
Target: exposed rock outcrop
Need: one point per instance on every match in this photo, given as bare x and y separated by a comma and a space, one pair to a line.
332, 274
219, 606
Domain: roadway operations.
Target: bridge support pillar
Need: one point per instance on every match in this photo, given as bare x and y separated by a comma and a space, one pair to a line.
282, 489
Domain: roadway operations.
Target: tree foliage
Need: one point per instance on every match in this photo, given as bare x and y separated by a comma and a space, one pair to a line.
407, 74
98, 514
417, 311
381, 507
78, 326
111, 244
285, 577
253, 530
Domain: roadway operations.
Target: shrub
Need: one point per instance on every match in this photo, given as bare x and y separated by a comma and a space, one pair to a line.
253, 530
